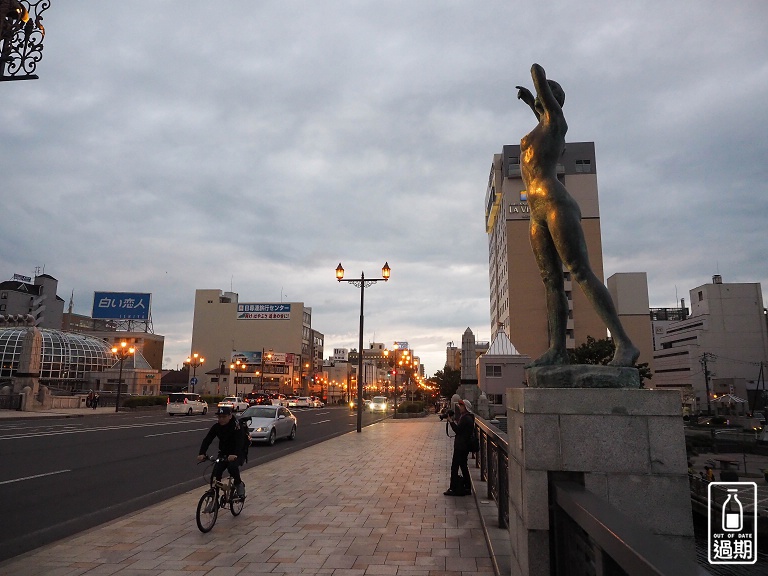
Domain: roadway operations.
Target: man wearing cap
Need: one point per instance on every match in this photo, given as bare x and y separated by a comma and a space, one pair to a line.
463, 425
230, 445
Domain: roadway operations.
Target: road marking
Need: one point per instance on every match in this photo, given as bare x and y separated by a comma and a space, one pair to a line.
97, 429
177, 432
35, 476
320, 422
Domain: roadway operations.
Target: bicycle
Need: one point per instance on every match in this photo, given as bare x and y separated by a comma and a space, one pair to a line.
221, 494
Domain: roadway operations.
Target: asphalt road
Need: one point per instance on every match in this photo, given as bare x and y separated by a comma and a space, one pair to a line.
62, 476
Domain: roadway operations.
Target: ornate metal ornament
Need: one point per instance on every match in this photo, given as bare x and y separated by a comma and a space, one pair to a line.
21, 38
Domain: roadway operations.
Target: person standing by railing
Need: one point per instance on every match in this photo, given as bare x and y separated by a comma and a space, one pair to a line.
462, 424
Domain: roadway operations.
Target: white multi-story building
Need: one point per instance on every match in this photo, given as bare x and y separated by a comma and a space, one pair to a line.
725, 336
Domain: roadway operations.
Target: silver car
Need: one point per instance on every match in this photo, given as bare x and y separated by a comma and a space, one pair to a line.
268, 423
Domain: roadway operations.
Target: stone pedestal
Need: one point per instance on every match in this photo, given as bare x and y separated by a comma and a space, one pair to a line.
626, 446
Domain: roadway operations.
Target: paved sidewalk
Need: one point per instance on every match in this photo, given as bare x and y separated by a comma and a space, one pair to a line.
368, 503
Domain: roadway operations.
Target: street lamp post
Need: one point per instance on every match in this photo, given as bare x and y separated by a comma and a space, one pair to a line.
241, 367
261, 377
21, 38
194, 361
122, 352
361, 283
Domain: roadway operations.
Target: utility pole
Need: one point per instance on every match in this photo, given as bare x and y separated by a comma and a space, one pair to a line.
704, 357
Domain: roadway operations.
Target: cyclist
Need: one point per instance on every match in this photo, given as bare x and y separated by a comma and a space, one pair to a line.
230, 445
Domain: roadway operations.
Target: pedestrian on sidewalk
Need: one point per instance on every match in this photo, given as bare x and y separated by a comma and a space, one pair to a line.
462, 424
95, 401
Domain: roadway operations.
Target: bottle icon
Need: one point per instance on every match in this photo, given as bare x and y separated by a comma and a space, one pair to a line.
733, 512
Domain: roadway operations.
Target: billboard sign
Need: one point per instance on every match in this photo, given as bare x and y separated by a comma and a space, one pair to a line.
263, 311
401, 345
248, 358
121, 305
254, 358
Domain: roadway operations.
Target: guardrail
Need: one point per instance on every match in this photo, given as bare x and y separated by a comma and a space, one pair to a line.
589, 535
493, 461
592, 537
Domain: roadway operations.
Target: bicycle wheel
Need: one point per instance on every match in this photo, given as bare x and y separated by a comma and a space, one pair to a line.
207, 511
236, 504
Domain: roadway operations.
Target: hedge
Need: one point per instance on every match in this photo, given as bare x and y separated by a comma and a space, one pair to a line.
410, 407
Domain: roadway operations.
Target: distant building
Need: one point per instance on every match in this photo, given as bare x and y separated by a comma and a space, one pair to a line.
629, 291
452, 356
38, 298
501, 367
725, 336
273, 340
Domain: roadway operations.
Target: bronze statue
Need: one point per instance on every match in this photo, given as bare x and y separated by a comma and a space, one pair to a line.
555, 225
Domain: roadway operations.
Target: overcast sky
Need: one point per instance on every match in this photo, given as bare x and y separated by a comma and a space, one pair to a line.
175, 145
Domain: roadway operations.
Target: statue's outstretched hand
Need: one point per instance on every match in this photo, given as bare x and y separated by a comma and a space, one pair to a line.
524, 94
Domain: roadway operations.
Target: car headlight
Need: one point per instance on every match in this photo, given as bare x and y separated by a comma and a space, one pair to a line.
261, 429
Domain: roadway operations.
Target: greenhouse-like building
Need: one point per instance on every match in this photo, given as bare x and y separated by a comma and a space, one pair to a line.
67, 359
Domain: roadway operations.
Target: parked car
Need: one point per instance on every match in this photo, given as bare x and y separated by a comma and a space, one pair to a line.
379, 404
258, 399
186, 403
303, 402
268, 423
235, 402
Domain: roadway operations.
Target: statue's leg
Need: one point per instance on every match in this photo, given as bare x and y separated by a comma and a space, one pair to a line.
569, 239
551, 270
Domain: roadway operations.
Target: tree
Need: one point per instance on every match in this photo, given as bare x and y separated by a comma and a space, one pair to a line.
599, 353
447, 380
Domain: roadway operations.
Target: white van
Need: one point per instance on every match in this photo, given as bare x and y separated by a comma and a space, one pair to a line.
186, 403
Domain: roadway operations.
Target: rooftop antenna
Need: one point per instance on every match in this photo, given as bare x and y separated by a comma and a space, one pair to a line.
676, 298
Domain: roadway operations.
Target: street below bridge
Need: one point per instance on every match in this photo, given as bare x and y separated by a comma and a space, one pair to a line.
63, 475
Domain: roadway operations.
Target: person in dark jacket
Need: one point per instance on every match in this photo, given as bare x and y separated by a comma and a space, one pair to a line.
230, 445
462, 424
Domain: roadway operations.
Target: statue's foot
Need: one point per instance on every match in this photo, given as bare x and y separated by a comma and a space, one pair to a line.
625, 355
552, 357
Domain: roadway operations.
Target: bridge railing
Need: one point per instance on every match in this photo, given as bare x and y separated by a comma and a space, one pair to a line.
590, 536
493, 461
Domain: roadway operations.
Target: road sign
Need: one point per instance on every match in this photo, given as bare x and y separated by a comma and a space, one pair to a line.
193, 381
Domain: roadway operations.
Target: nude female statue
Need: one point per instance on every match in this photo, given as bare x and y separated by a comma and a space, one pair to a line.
555, 226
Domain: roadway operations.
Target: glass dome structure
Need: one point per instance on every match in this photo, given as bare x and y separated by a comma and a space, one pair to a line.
67, 356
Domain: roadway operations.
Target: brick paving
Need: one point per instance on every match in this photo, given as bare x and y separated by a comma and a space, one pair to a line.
368, 503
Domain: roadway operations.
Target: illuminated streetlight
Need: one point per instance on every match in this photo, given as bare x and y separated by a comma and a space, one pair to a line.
194, 361
21, 38
362, 283
241, 367
122, 352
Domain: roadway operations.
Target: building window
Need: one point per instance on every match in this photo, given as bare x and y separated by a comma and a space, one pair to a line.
701, 295
584, 166
493, 371
4, 295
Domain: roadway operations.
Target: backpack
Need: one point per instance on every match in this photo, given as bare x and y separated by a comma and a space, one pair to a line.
241, 428
474, 441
